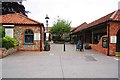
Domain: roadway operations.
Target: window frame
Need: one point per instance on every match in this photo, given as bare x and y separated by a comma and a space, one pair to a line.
32, 34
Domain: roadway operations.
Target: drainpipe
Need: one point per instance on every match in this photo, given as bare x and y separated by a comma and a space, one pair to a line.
40, 37
108, 24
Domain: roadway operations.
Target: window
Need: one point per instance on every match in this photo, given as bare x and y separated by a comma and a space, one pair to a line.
9, 32
97, 38
29, 37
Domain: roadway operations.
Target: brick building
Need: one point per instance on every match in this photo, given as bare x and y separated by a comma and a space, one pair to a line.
28, 32
103, 34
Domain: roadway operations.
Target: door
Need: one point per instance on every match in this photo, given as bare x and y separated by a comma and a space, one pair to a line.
118, 42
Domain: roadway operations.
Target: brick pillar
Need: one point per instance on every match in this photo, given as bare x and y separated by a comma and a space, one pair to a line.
41, 38
114, 27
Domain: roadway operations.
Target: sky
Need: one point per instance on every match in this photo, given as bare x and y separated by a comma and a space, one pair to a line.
75, 11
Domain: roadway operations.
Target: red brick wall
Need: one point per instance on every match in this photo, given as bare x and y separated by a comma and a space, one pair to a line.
114, 27
98, 47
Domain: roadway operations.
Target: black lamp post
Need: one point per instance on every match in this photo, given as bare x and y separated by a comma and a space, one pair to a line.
47, 33
47, 18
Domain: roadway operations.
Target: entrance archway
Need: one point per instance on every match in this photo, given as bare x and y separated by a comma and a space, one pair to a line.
118, 42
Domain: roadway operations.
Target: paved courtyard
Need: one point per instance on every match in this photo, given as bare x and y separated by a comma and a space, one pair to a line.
59, 64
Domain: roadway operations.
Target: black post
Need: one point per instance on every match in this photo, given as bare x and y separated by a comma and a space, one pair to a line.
64, 46
108, 24
46, 25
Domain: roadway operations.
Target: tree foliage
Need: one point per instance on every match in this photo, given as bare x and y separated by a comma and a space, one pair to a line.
2, 32
60, 27
13, 7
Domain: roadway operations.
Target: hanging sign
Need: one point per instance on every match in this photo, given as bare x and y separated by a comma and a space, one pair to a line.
36, 36
113, 39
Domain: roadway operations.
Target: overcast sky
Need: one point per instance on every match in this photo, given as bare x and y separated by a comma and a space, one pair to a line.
77, 11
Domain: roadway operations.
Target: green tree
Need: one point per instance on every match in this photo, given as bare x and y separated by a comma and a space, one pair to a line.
60, 27
13, 7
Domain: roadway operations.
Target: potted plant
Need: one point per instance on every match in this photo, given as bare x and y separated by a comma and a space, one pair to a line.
47, 46
87, 46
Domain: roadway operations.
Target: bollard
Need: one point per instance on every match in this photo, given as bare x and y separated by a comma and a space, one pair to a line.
64, 46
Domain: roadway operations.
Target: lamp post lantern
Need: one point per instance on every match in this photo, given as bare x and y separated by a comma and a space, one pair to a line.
47, 33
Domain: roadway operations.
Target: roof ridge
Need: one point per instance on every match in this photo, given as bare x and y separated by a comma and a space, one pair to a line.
98, 21
18, 18
79, 26
102, 17
83, 24
113, 15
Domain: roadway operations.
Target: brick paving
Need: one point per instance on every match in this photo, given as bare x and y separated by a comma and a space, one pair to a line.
59, 64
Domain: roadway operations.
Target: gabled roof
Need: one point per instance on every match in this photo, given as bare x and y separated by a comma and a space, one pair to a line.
77, 27
17, 18
80, 27
114, 16
74, 29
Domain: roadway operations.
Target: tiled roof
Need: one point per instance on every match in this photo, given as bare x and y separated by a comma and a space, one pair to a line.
74, 29
17, 18
114, 16
80, 27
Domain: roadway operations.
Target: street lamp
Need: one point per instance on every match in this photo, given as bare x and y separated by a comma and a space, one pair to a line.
47, 33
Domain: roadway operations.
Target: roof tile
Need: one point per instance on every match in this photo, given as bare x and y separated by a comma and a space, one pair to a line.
17, 18
115, 16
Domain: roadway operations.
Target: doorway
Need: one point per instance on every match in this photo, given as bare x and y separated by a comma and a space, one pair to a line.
118, 42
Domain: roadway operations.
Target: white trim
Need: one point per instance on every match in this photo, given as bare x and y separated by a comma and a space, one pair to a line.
8, 25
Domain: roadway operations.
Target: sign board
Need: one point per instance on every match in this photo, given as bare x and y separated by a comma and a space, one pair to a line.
104, 42
113, 39
9, 32
47, 36
36, 36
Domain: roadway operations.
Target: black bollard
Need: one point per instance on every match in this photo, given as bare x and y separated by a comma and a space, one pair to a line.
64, 46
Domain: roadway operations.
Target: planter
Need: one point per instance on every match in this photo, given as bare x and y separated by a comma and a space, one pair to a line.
117, 54
47, 48
87, 46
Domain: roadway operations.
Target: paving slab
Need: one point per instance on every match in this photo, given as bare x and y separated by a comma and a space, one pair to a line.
59, 64
0, 68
